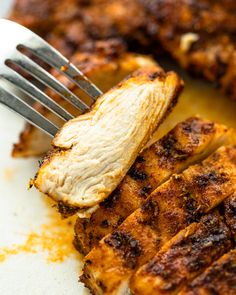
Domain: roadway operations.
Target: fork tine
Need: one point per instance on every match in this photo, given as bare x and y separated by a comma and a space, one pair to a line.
27, 112
47, 79
51, 56
35, 93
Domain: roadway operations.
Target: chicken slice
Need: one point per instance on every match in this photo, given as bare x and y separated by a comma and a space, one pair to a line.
219, 278
105, 68
169, 209
189, 142
93, 152
184, 257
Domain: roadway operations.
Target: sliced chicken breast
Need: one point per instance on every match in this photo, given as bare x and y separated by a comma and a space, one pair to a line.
189, 142
169, 209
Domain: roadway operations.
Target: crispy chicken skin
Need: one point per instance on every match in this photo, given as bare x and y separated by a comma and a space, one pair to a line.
219, 278
185, 256
106, 67
169, 209
82, 176
189, 142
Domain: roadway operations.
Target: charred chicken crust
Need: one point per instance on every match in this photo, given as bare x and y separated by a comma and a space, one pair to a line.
219, 278
184, 257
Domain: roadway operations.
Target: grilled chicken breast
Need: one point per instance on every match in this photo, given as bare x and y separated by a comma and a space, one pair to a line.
184, 257
106, 67
219, 278
189, 142
93, 152
170, 208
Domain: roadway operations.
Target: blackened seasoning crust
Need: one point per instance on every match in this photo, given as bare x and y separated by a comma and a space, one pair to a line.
159, 74
66, 210
195, 127
208, 178
150, 211
111, 200
140, 159
137, 174
218, 279
171, 151
184, 257
191, 208
127, 246
144, 191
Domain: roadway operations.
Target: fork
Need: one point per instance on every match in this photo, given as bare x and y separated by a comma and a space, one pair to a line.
16, 40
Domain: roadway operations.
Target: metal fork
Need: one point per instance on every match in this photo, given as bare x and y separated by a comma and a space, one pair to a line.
15, 40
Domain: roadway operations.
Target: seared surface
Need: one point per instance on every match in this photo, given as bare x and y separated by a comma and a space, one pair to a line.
184, 257
189, 142
170, 208
219, 278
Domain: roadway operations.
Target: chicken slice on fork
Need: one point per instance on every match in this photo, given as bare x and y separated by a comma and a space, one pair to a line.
105, 67
169, 209
93, 152
189, 142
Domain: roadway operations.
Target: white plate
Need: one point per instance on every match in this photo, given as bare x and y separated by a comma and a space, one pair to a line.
21, 213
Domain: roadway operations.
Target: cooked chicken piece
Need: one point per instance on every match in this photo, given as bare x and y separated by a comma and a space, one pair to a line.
218, 279
200, 35
189, 142
230, 213
93, 152
106, 67
170, 208
184, 257
74, 25
79, 26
